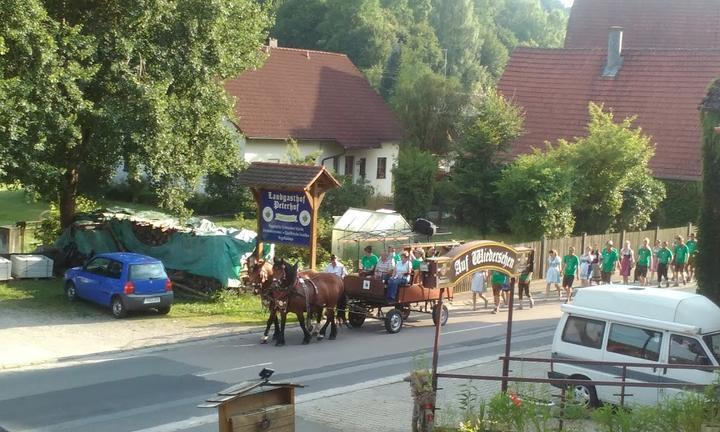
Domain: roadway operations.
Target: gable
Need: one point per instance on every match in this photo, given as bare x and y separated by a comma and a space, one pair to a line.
311, 95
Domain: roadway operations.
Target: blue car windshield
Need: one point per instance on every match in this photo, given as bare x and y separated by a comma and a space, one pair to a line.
147, 271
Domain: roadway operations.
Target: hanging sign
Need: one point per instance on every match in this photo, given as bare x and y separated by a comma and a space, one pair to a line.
285, 217
480, 255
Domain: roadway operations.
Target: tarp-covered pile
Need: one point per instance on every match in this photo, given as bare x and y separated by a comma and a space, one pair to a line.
199, 248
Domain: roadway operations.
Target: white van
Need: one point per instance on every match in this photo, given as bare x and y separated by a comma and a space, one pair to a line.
636, 325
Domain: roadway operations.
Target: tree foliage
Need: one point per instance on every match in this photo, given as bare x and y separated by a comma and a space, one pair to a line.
135, 81
593, 184
489, 127
538, 189
611, 164
413, 179
708, 260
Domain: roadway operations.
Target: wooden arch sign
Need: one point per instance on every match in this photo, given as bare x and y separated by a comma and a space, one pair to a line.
473, 256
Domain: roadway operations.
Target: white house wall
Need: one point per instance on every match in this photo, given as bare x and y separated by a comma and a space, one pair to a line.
265, 150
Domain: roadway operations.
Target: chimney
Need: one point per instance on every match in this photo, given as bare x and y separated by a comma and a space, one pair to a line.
272, 43
614, 57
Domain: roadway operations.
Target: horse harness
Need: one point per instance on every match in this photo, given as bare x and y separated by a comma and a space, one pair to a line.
301, 287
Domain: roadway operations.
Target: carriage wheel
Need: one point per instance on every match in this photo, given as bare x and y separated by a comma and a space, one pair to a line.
356, 317
444, 314
393, 321
404, 312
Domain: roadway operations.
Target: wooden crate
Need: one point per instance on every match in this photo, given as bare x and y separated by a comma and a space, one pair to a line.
276, 418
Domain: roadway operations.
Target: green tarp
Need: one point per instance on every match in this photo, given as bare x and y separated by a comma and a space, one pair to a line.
216, 253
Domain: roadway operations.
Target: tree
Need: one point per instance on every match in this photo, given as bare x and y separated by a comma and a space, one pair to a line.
538, 190
491, 125
359, 29
611, 165
429, 106
133, 81
458, 30
413, 179
298, 21
708, 260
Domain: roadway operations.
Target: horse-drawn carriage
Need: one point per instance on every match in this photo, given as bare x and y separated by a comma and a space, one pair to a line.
367, 299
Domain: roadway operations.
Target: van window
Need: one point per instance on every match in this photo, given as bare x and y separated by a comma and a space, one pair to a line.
634, 342
584, 331
713, 341
687, 351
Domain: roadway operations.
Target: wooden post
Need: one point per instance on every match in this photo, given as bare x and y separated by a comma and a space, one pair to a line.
657, 233
690, 230
622, 239
583, 241
543, 252
259, 243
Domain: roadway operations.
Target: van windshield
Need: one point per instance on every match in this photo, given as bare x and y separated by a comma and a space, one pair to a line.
147, 271
713, 342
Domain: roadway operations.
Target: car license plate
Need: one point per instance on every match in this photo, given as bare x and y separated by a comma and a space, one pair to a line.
151, 300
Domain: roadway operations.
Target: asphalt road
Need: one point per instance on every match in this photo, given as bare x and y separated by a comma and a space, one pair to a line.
158, 391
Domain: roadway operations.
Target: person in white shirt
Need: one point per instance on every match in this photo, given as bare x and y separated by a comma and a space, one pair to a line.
401, 276
385, 267
336, 267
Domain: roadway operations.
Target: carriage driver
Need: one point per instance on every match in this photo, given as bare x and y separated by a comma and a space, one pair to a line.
401, 276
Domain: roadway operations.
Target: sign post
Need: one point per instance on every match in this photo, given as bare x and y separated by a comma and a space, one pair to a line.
288, 198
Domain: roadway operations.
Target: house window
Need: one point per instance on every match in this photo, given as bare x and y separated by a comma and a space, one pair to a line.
361, 170
349, 165
381, 167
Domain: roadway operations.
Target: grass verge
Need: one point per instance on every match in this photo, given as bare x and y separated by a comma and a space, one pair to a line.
47, 296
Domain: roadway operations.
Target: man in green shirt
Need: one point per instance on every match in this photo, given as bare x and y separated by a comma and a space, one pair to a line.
497, 281
644, 258
664, 257
682, 255
368, 262
570, 265
692, 248
609, 262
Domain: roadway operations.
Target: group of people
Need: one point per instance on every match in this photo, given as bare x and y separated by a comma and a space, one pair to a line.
643, 266
396, 268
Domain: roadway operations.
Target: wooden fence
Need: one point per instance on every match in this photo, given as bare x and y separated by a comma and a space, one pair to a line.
542, 247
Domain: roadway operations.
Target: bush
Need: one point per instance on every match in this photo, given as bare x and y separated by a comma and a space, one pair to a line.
681, 205
349, 194
223, 195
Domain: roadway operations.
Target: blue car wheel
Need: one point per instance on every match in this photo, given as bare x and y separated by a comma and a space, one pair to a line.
70, 291
118, 307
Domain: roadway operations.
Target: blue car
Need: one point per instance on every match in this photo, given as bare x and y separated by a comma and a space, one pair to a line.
123, 281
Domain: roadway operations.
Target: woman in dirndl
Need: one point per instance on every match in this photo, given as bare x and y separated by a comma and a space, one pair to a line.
586, 261
627, 261
552, 276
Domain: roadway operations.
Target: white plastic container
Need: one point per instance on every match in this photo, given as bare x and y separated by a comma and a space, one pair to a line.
31, 266
5, 266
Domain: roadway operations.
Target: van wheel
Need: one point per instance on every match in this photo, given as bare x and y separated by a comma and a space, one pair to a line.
585, 394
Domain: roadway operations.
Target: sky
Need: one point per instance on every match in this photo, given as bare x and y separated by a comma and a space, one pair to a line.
567, 2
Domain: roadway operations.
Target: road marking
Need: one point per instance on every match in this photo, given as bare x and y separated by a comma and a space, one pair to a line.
204, 374
183, 424
471, 329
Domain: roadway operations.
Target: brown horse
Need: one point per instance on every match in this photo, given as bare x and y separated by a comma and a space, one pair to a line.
307, 291
260, 278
